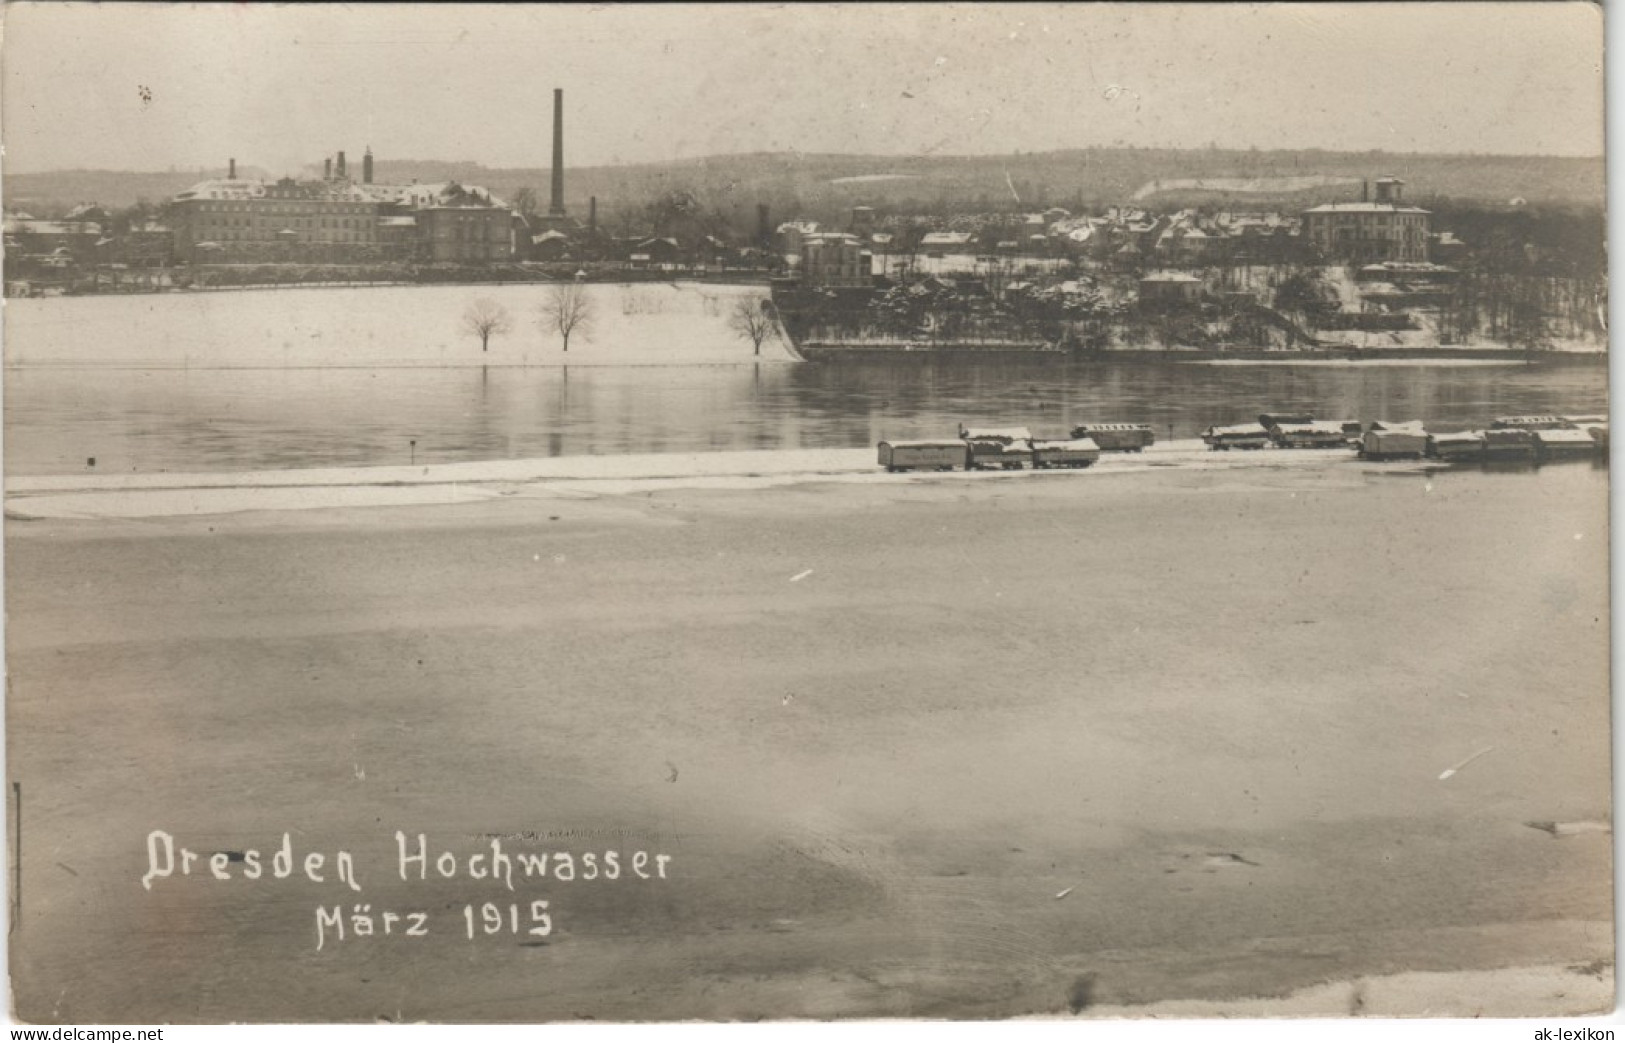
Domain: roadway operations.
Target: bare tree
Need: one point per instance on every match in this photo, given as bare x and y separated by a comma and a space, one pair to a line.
524, 201
568, 308
750, 320
484, 317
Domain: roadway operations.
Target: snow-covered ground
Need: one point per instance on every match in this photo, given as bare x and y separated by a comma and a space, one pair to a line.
632, 324
166, 495
1431, 363
1511, 992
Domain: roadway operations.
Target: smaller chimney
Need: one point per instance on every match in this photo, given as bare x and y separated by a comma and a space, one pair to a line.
231, 169
366, 167
327, 169
592, 215
341, 166
1365, 191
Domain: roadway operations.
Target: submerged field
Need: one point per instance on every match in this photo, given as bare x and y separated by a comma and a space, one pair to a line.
395, 326
927, 748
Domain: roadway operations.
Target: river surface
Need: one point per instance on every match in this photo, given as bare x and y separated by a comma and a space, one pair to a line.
172, 383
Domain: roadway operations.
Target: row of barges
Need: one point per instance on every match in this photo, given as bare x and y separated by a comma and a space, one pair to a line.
1533, 438
1543, 437
1014, 448
1528, 438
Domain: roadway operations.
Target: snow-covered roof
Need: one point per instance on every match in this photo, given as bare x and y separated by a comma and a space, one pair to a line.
224, 188
445, 193
831, 239
1364, 208
16, 227
1410, 268
423, 197
1313, 427
995, 434
1563, 435
1527, 420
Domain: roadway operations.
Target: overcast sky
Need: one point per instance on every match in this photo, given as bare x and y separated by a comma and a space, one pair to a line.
150, 87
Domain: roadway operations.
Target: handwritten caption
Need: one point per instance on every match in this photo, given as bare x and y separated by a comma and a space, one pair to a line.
415, 862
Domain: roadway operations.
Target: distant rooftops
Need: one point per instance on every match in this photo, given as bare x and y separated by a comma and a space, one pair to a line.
32, 226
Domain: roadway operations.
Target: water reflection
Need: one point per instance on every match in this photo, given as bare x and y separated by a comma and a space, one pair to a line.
200, 420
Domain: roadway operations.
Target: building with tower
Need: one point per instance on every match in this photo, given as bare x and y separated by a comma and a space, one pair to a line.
338, 220
1370, 231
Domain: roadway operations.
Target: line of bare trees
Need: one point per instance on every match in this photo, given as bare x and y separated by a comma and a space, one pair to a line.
1523, 311
570, 309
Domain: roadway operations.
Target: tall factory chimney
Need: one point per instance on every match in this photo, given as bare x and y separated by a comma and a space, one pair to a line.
327, 169
341, 166
764, 230
231, 169
556, 207
366, 167
592, 216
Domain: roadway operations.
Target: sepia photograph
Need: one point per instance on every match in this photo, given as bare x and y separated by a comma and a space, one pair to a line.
983, 513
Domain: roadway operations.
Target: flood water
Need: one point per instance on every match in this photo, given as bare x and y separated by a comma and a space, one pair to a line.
322, 377
144, 420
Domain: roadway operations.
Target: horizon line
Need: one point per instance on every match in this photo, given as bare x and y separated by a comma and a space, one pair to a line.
879, 156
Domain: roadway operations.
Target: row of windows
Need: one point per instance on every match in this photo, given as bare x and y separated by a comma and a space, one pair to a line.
327, 237
277, 208
490, 232
1368, 232
297, 222
1367, 222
